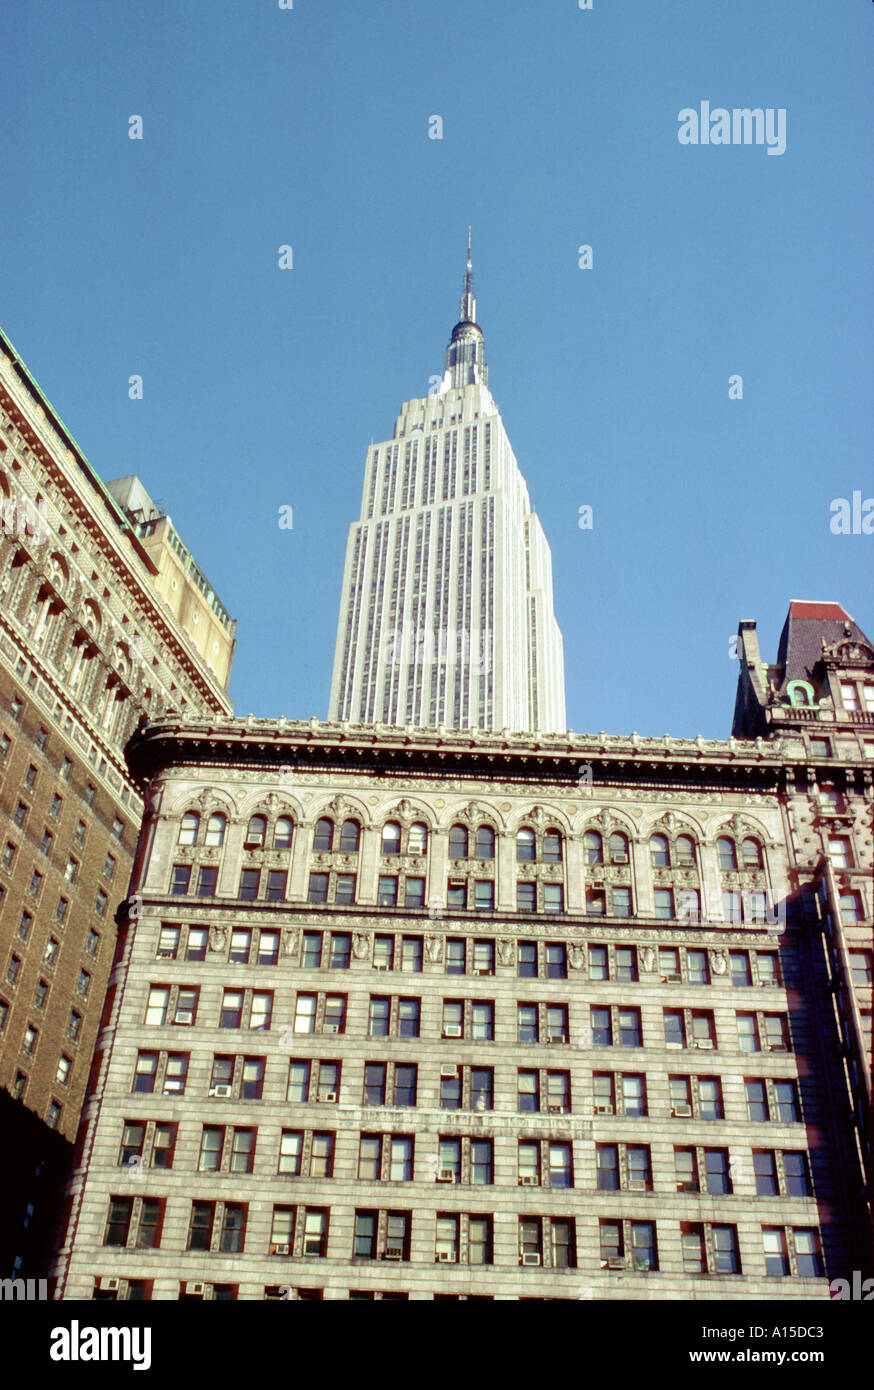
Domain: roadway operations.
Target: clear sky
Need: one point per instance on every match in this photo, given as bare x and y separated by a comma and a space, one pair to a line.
262, 387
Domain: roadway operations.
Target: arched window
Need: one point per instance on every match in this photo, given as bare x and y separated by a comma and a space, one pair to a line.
189, 828
257, 832
684, 848
215, 830
618, 848
727, 853
485, 842
418, 841
391, 838
594, 847
282, 832
323, 836
349, 836
458, 842
526, 847
751, 853
552, 847
659, 853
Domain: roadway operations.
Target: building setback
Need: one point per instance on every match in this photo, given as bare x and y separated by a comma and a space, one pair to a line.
92, 639
493, 1015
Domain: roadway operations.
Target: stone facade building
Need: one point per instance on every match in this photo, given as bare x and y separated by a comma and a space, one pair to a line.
88, 646
438, 1014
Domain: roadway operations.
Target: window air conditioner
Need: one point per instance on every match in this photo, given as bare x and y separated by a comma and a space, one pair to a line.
556, 1109
184, 1016
706, 1043
618, 858
452, 1030
446, 1175
332, 1027
394, 1252
531, 1259
381, 966
637, 1185
445, 1257
449, 1071
109, 1283
224, 1091
603, 1107
166, 953
528, 1180
614, 1262
197, 1289
279, 1249
596, 883
556, 1036
330, 1097
673, 979
482, 970
682, 1111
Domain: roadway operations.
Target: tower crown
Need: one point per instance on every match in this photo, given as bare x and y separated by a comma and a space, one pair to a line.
465, 355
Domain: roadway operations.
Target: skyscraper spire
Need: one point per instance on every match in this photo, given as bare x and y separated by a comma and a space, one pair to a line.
468, 303
465, 355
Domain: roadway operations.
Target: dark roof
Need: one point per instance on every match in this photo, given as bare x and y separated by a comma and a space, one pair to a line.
806, 625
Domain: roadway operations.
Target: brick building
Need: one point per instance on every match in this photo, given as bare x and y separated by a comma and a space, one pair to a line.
89, 644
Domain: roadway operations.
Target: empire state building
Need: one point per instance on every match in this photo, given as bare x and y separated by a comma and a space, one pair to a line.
446, 612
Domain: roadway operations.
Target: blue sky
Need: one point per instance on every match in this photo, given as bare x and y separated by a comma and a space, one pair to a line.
262, 387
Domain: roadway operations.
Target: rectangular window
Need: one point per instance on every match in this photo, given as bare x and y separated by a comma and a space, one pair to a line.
277, 879
200, 1225
298, 1081
311, 952
250, 880
484, 895
405, 1083
408, 1018
664, 903
726, 1255
412, 948
456, 950
757, 1100
414, 892
807, 1253
774, 1246
370, 1157
765, 1170
232, 1009
180, 882
341, 951
387, 894
529, 1091
318, 889
198, 940
718, 1182
118, 1221
607, 1167
290, 1152
207, 881
601, 1027
268, 948
526, 897
621, 902
233, 1228
553, 897
710, 1098
374, 1083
